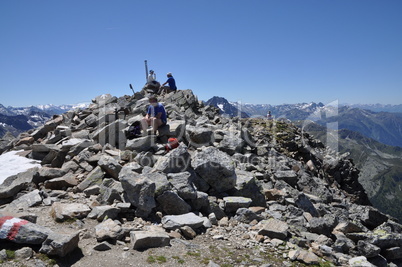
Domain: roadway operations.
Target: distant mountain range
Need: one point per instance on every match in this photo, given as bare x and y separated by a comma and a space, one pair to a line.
384, 127
20, 119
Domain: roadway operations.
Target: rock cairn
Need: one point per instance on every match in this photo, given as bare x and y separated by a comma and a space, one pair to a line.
251, 181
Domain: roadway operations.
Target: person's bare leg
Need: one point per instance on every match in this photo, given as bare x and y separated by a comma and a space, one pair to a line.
155, 124
144, 126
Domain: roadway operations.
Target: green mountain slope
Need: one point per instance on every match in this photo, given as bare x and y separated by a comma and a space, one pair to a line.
380, 165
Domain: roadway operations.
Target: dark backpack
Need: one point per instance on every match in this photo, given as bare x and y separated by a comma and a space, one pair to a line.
134, 130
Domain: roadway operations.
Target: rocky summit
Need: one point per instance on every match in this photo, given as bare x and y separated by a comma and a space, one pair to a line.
235, 192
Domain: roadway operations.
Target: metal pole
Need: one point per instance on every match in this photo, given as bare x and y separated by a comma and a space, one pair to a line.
146, 71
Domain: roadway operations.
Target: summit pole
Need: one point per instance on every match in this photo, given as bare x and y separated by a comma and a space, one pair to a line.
146, 70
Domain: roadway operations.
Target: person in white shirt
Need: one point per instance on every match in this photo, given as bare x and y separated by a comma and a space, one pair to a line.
151, 76
152, 83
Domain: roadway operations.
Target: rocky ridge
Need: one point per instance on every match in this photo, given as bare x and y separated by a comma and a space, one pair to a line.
253, 184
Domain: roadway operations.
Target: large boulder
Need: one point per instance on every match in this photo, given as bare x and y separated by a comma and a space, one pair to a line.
199, 136
177, 160
139, 191
248, 186
109, 230
110, 165
149, 239
231, 144
142, 143
183, 184
14, 184
274, 228
216, 168
171, 203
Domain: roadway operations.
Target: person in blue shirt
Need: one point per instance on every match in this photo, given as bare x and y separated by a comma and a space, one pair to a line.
156, 116
172, 84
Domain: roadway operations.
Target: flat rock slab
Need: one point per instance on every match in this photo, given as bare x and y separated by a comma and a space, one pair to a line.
66, 211
149, 239
274, 228
172, 222
234, 203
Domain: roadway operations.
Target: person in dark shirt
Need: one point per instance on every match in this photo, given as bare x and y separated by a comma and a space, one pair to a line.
156, 116
172, 84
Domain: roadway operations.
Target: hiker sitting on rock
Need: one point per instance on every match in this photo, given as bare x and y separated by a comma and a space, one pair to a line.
152, 82
156, 116
172, 84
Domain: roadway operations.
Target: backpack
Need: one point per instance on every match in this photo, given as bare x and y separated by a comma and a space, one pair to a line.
134, 130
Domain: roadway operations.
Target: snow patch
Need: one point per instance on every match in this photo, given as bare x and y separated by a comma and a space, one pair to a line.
220, 106
12, 164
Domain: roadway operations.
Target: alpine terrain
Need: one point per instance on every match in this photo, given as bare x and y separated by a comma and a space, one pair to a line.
232, 192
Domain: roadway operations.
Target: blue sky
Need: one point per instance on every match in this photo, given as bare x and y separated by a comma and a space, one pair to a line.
258, 51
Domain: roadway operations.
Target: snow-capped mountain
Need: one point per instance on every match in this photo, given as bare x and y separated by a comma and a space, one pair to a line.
20, 119
225, 107
384, 127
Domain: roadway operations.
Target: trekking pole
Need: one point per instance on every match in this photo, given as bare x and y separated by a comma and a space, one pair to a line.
146, 70
132, 88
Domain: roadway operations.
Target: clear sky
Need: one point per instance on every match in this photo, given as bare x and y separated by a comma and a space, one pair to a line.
257, 51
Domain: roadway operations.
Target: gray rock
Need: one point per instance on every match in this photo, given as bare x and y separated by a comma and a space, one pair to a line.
139, 191
172, 203
274, 228
304, 256
59, 245
14, 184
198, 136
64, 211
110, 190
323, 225
360, 261
368, 250
231, 144
201, 203
109, 230
77, 148
248, 186
177, 160
24, 253
145, 159
183, 184
160, 179
305, 204
102, 246
31, 199
233, 203
110, 166
188, 232
93, 178
149, 239
142, 143
289, 177
216, 168
93, 190
343, 244
172, 222
68, 180
102, 212
394, 253
245, 215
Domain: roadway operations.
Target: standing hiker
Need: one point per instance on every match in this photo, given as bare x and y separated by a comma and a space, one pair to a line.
156, 116
172, 84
